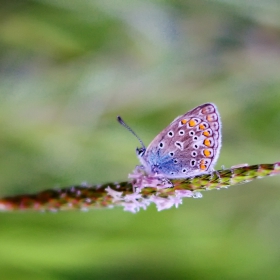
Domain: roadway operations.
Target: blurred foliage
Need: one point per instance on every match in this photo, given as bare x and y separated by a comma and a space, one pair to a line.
67, 68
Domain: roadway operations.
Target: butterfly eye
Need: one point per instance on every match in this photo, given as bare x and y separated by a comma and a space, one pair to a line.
140, 151
181, 132
194, 153
193, 162
191, 133
161, 145
171, 154
170, 133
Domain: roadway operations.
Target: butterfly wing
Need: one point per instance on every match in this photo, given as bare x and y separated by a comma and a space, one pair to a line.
189, 146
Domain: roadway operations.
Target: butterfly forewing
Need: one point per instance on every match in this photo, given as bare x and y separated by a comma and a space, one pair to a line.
189, 146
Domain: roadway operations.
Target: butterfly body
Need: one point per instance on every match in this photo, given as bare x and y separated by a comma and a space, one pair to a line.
189, 146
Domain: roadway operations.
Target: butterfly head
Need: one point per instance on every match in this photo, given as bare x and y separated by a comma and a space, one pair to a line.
140, 151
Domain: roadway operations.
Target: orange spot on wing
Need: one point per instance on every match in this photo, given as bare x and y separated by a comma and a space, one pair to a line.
184, 121
202, 165
206, 133
207, 142
207, 153
192, 123
211, 117
202, 126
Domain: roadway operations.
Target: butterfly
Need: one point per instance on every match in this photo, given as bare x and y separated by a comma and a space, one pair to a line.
188, 146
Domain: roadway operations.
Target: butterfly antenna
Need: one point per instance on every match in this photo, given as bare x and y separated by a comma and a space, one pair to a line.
120, 120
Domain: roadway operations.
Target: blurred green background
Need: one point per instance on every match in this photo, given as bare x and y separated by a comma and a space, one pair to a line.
68, 68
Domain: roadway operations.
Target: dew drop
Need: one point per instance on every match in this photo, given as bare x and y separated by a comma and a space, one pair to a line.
197, 195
